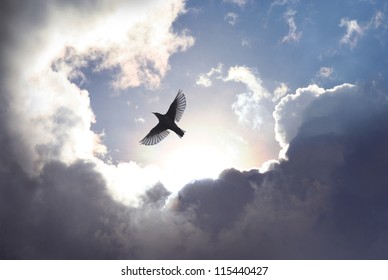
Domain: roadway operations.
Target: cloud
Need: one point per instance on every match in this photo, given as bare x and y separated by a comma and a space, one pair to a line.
139, 120
252, 107
289, 112
204, 79
248, 106
66, 213
245, 42
124, 174
231, 18
377, 20
57, 216
355, 30
293, 34
283, 2
325, 72
245, 75
248, 111
217, 203
279, 92
240, 3
280, 3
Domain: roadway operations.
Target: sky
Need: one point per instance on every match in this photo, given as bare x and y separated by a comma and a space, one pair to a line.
285, 151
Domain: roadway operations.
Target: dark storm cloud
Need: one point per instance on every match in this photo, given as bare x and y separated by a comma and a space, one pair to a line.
217, 204
67, 213
358, 211
59, 215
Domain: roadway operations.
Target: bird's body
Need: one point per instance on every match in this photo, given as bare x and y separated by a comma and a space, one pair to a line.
167, 121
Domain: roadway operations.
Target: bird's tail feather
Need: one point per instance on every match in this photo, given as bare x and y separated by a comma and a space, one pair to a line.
181, 132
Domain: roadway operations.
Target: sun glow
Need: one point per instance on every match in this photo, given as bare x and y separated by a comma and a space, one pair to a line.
192, 163
128, 181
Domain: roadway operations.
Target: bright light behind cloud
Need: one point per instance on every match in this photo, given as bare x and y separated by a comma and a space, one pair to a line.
207, 148
192, 162
127, 181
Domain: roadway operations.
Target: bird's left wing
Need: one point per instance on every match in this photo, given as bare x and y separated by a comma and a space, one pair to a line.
177, 107
157, 134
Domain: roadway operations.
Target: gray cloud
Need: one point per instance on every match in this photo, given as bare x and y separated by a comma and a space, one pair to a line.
217, 204
67, 213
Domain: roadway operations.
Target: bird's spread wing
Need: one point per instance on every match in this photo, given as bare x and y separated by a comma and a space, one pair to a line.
157, 134
177, 107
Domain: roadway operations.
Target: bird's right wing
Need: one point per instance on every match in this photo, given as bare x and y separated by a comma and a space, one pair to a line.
157, 134
177, 107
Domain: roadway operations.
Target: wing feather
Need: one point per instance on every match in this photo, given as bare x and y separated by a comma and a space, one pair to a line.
177, 107
157, 134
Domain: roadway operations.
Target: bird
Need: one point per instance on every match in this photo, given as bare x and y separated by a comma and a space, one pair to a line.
167, 121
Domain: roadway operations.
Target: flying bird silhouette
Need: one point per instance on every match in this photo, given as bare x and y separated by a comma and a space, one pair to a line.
167, 121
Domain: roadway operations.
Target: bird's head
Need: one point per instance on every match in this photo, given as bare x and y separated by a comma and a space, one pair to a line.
158, 115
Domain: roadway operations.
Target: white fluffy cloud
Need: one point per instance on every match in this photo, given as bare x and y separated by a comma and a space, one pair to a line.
49, 115
253, 106
204, 79
248, 107
279, 92
246, 76
289, 112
